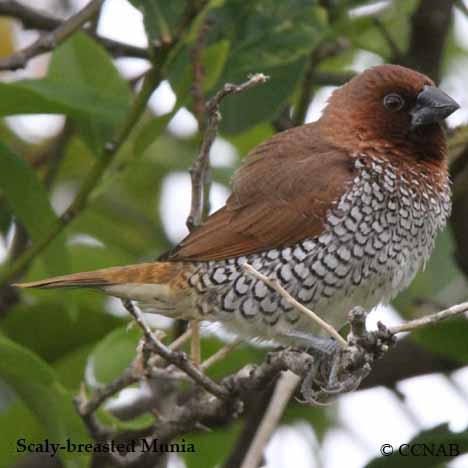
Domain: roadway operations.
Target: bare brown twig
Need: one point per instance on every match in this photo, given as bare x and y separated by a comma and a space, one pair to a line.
201, 409
33, 19
179, 359
198, 95
49, 41
201, 163
430, 319
284, 389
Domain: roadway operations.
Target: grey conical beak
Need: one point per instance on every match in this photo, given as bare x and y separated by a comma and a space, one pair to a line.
432, 105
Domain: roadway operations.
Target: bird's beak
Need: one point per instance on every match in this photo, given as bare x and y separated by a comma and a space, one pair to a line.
432, 105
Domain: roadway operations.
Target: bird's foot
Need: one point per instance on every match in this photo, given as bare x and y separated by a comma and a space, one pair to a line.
342, 369
329, 377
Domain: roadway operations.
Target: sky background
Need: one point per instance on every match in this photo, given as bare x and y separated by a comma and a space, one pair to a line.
367, 419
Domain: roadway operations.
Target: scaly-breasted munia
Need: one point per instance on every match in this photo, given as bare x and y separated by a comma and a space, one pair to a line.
343, 212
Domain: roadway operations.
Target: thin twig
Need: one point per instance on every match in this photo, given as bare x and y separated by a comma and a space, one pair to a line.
208, 117
200, 164
273, 283
49, 41
179, 359
199, 109
95, 428
195, 347
33, 19
220, 354
129, 376
101, 394
284, 389
198, 95
429, 319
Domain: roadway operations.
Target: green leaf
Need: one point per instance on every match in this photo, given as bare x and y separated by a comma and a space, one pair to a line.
210, 448
448, 338
29, 202
181, 77
440, 272
114, 353
200, 19
33, 325
21, 423
262, 103
444, 444
160, 17
150, 131
38, 387
48, 97
278, 32
80, 61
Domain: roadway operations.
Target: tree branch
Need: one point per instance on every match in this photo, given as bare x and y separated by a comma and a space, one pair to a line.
430, 24
285, 388
200, 409
201, 163
179, 359
49, 41
430, 319
33, 19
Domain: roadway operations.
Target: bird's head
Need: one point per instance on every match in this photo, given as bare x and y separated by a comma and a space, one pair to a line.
387, 108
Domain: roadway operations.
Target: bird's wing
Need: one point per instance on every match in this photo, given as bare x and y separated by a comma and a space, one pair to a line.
281, 195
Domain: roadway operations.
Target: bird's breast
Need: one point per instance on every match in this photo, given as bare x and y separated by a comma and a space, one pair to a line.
375, 239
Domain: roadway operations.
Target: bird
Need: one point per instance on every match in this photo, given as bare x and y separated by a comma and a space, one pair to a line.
342, 212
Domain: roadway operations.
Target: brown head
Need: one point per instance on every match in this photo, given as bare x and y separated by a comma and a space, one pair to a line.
389, 108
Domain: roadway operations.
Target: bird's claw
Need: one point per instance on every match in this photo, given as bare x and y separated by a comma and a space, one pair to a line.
343, 370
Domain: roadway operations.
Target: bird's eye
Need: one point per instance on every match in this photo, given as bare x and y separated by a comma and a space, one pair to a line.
393, 102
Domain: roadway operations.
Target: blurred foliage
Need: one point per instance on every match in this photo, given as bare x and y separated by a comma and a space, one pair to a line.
48, 339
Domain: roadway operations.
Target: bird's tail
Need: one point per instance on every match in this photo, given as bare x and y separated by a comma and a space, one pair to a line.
143, 273
162, 284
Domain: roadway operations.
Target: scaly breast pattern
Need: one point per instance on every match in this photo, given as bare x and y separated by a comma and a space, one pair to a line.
378, 235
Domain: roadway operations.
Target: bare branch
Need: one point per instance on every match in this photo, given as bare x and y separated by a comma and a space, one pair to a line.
273, 283
285, 388
51, 40
198, 95
179, 359
195, 347
97, 431
33, 19
130, 376
430, 319
430, 24
220, 354
200, 165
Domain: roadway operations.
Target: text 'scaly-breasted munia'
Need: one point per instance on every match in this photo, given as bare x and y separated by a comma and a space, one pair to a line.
343, 212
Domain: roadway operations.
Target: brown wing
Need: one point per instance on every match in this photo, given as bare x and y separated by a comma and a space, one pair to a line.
281, 195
